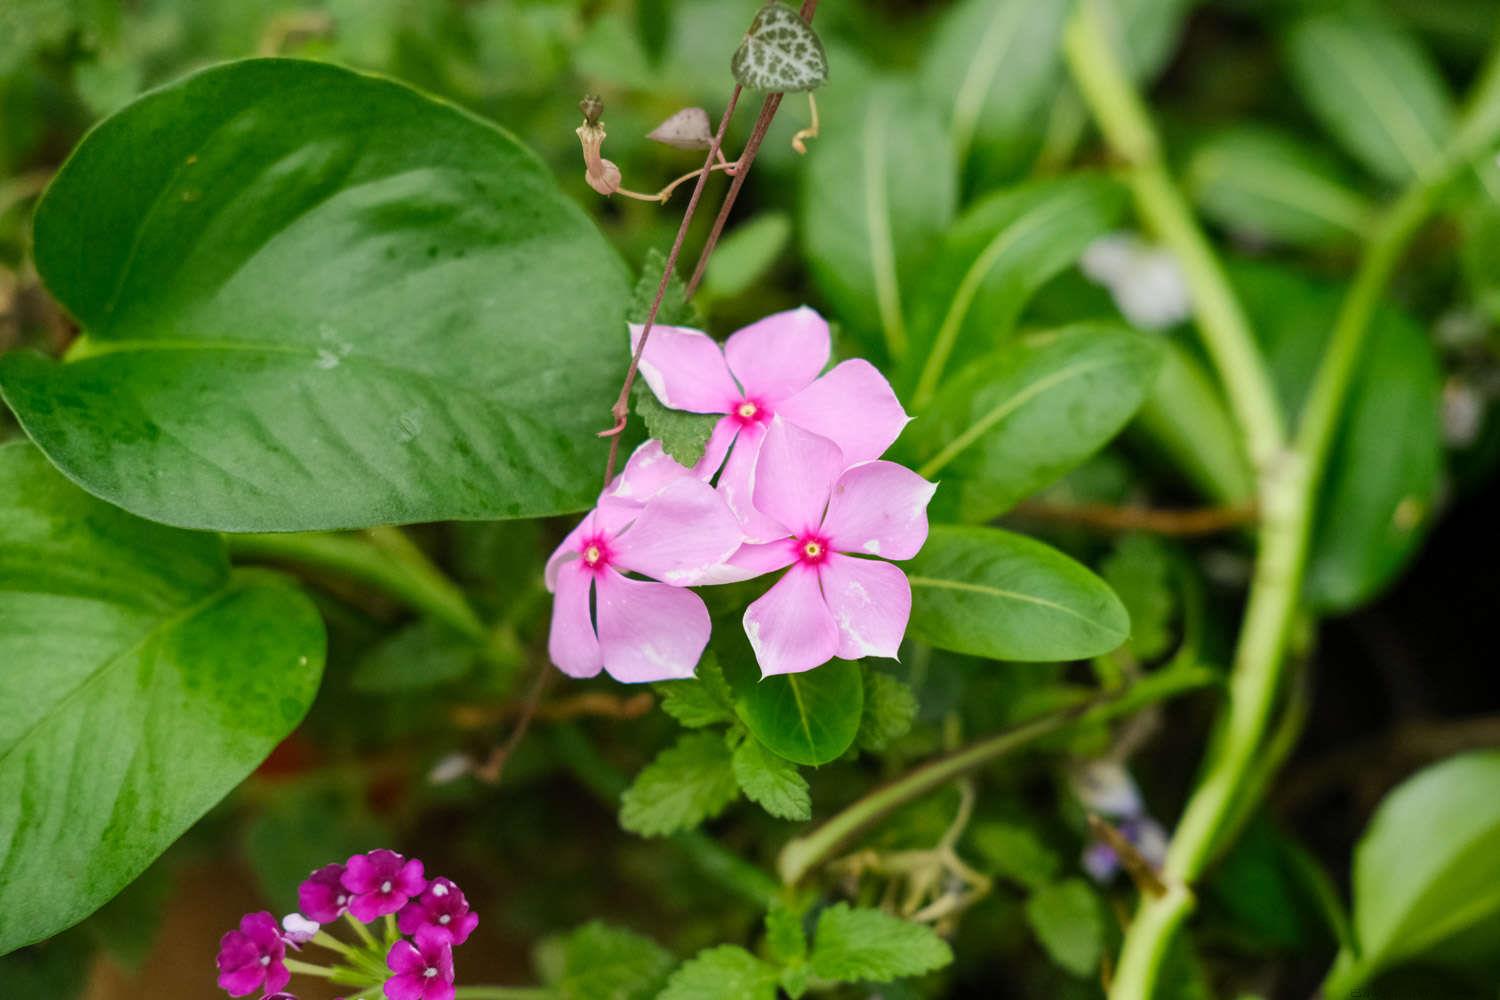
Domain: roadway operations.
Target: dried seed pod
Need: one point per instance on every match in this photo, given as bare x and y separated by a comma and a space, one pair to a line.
687, 129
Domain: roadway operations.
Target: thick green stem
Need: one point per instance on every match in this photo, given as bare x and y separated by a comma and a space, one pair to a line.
1122, 116
502, 993
384, 558
801, 855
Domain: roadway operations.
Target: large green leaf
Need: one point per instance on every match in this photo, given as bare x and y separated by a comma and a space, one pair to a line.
140, 681
808, 718
1428, 867
992, 593
1374, 88
996, 65
317, 299
992, 261
1386, 464
1266, 184
877, 193
1023, 416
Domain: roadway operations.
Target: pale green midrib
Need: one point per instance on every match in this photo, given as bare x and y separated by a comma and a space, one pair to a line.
991, 51
1406, 130
982, 426
968, 289
232, 582
802, 714
877, 221
1012, 595
1436, 931
1304, 191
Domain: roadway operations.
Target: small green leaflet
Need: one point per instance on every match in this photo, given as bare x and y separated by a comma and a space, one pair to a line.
780, 53
864, 944
686, 784
1068, 922
727, 972
890, 707
700, 701
771, 781
599, 961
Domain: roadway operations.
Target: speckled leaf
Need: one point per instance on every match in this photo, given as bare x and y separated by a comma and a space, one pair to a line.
140, 681
317, 299
781, 52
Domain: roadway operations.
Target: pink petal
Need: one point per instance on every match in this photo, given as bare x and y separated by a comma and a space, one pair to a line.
572, 644
737, 483
361, 874
405, 987
871, 602
410, 881
683, 533
779, 356
277, 976
790, 627
649, 631
793, 476
405, 959
439, 990
647, 472
244, 981
879, 509
567, 552
686, 369
754, 559
853, 406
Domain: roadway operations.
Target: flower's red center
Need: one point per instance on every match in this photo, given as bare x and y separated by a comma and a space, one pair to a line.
748, 412
594, 552
812, 549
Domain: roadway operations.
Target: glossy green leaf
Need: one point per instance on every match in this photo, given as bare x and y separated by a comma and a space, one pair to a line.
1017, 852
877, 194
781, 52
772, 782
727, 972
1480, 254
140, 681
422, 655
867, 945
809, 718
989, 592
1023, 416
1374, 88
746, 253
1186, 421
992, 261
317, 299
1428, 866
1067, 919
996, 66
1386, 463
687, 783
1266, 184
1146, 32
600, 962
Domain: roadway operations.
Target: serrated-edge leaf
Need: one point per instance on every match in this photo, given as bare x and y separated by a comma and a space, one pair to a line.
727, 972
772, 782
890, 708
867, 945
689, 782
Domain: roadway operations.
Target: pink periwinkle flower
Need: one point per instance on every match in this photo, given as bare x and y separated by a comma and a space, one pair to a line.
424, 970
382, 882
639, 630
771, 368
442, 906
253, 957
834, 600
323, 897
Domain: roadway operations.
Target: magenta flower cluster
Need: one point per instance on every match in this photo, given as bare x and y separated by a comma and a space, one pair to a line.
791, 479
433, 914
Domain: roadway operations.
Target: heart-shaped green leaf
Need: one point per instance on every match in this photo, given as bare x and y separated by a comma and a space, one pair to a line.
992, 593
140, 681
317, 299
781, 52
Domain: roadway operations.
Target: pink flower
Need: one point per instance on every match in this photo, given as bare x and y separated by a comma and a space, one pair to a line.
769, 369
830, 604
646, 631
323, 897
382, 882
442, 906
297, 930
423, 971
252, 957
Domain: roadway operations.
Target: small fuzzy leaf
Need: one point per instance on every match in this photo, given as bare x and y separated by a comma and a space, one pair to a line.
772, 782
781, 52
853, 945
1015, 852
683, 435
675, 309
700, 701
1067, 920
686, 784
727, 972
890, 707
786, 941
687, 129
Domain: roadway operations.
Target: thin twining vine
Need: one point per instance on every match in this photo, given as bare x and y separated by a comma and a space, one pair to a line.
621, 408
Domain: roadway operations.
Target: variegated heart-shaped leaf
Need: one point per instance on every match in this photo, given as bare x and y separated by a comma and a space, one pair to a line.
781, 52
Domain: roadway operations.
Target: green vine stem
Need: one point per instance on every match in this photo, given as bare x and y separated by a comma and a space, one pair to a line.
502, 993
384, 558
1288, 478
803, 854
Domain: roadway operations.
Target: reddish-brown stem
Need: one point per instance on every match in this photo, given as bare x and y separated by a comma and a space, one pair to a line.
621, 409
1190, 522
489, 771
768, 109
